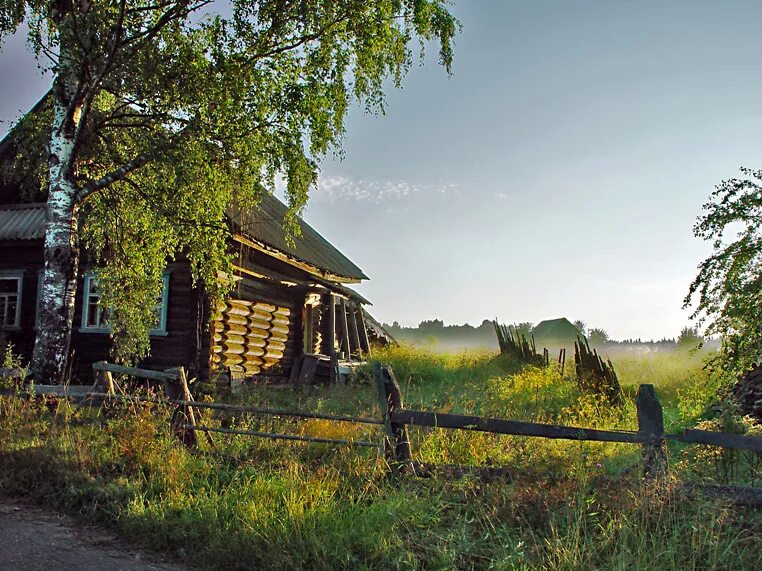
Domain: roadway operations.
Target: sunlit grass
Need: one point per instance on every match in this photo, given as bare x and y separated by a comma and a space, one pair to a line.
254, 503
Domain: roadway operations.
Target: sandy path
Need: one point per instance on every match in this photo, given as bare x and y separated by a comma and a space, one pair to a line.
33, 539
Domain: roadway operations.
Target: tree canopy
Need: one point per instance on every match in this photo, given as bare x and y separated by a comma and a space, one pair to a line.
163, 113
728, 288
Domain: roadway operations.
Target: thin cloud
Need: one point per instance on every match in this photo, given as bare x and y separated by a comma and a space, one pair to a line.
342, 188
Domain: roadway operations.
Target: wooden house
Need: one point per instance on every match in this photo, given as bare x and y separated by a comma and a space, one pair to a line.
289, 317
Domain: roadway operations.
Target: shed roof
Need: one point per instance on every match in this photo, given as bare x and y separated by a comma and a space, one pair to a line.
22, 222
560, 329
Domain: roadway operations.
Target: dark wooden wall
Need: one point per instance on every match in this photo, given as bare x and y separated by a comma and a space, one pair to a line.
24, 255
173, 350
178, 348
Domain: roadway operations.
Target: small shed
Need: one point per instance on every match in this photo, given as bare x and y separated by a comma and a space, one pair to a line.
558, 332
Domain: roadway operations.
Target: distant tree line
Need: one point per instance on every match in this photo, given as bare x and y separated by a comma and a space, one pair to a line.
434, 333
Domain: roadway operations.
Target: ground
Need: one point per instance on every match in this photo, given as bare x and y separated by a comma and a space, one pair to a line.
35, 539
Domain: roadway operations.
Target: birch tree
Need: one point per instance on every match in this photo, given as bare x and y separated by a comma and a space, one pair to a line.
163, 112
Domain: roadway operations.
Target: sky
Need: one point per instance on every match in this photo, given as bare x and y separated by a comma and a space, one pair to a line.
557, 172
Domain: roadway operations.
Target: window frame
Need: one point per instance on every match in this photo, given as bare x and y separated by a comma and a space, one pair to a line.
84, 327
17, 275
159, 331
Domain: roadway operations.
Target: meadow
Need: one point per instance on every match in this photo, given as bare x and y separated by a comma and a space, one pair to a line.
261, 504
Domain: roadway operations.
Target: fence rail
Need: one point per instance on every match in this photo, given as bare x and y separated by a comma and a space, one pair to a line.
395, 418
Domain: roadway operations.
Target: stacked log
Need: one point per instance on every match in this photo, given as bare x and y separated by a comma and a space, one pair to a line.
748, 393
249, 336
594, 374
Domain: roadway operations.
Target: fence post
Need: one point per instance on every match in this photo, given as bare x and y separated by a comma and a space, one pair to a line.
177, 389
651, 425
396, 441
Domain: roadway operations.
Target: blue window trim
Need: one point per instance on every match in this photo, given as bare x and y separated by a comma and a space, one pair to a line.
160, 331
89, 276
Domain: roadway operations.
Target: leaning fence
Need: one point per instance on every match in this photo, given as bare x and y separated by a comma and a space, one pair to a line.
188, 416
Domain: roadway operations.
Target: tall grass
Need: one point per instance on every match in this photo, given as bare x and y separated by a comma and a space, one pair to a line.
259, 504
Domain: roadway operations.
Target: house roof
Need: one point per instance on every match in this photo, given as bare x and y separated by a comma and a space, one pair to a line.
261, 227
263, 224
560, 329
22, 222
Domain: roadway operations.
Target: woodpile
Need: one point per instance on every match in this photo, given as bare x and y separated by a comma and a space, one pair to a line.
748, 393
516, 344
249, 336
594, 374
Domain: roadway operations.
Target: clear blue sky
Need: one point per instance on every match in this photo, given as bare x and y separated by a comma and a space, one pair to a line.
557, 172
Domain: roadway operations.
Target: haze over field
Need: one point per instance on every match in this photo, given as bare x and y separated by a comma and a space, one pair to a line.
558, 172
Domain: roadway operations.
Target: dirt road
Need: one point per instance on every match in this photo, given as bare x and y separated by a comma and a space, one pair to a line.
33, 539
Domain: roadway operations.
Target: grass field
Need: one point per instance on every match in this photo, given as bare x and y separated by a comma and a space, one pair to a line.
263, 504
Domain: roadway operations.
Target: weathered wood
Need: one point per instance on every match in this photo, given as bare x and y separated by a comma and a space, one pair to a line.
364, 336
724, 439
182, 416
12, 373
307, 371
135, 372
651, 427
345, 331
397, 441
277, 436
515, 427
355, 333
332, 338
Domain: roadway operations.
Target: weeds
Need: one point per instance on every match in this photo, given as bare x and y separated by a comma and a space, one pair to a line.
571, 505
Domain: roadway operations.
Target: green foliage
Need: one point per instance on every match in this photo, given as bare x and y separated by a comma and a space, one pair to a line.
728, 287
689, 338
175, 113
597, 336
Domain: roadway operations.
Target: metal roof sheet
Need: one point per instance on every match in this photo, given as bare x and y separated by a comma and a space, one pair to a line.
264, 223
22, 222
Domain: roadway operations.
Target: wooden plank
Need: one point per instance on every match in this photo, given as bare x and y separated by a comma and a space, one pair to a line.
724, 439
515, 427
355, 332
651, 426
332, 338
277, 436
364, 336
12, 373
345, 332
307, 370
135, 372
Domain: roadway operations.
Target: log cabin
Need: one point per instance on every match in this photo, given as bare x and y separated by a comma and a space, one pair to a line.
290, 316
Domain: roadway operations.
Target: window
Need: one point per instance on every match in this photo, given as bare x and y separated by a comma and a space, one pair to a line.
10, 299
160, 309
95, 319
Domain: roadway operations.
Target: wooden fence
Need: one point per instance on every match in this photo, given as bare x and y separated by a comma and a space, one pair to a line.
395, 419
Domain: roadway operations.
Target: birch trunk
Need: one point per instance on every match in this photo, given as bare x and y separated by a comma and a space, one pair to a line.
61, 246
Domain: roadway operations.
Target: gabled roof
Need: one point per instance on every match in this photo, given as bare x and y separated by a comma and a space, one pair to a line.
560, 329
263, 227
